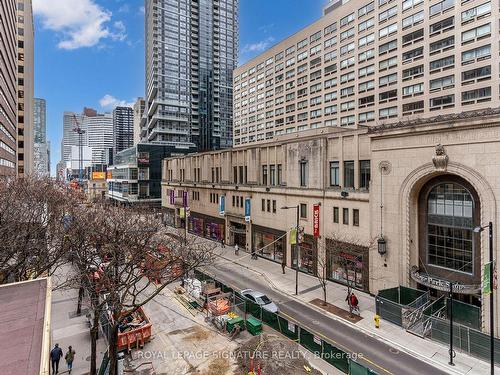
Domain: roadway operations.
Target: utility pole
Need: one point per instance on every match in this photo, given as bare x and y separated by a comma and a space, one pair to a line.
452, 352
297, 245
492, 310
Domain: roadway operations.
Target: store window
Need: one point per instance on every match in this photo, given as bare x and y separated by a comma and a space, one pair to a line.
345, 216
336, 215
269, 243
303, 211
347, 263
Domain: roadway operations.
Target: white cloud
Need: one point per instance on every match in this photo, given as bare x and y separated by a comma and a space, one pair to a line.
125, 8
80, 23
110, 102
258, 46
142, 10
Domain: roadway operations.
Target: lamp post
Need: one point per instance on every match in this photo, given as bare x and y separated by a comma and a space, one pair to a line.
492, 317
451, 352
297, 246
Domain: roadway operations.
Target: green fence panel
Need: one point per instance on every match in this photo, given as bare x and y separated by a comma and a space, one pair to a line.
356, 369
335, 357
480, 345
389, 310
464, 313
408, 295
253, 309
391, 294
289, 329
307, 340
271, 319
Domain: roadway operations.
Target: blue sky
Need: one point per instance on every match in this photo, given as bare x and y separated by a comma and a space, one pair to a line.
91, 52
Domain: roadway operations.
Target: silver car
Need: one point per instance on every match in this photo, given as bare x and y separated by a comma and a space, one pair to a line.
260, 299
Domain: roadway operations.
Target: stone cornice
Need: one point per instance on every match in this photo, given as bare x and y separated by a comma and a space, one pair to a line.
440, 119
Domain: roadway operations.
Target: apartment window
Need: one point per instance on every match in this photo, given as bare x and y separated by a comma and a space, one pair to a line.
388, 112
355, 217
442, 83
366, 116
442, 101
413, 72
345, 216
366, 9
303, 173
347, 63
480, 10
336, 215
334, 173
383, 32
476, 33
349, 174
347, 20
413, 54
389, 13
264, 175
330, 69
347, 106
347, 48
445, 62
330, 56
479, 53
443, 44
330, 28
332, 82
303, 211
365, 86
346, 91
347, 77
478, 73
315, 37
365, 71
347, 120
365, 25
366, 40
413, 19
280, 174
366, 100
441, 7
388, 79
413, 37
413, 89
479, 95
263, 205
364, 174
414, 106
268, 205
302, 44
366, 55
330, 42
347, 34
407, 4
388, 63
330, 96
442, 25
388, 47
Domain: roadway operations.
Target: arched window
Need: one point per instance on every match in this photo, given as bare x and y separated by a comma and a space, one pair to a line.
450, 223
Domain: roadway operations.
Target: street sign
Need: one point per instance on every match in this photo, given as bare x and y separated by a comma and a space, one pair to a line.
316, 220
247, 209
222, 205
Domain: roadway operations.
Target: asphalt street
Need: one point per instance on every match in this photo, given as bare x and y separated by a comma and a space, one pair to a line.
376, 355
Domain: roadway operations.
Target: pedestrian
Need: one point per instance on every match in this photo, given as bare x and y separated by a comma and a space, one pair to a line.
283, 265
55, 356
236, 249
223, 243
254, 254
70, 357
354, 302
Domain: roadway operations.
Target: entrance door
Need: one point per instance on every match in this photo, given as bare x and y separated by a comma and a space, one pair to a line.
239, 232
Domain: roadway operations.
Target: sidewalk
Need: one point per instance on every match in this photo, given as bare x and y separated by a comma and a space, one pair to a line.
394, 335
69, 329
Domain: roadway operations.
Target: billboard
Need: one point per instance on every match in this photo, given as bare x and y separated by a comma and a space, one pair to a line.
99, 175
316, 220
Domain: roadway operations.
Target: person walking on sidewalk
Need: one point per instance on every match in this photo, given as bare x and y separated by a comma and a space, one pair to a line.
283, 265
70, 357
55, 357
236, 249
223, 243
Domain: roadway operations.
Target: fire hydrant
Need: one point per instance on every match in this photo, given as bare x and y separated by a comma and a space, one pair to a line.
377, 321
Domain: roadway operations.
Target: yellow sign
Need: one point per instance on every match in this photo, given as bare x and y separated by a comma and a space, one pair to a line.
98, 175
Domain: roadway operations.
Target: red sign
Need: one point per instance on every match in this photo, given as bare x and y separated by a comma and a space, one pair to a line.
316, 220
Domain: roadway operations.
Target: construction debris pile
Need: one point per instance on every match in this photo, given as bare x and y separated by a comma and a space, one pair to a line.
269, 354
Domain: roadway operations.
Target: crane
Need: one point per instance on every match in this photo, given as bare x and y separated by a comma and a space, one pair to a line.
77, 129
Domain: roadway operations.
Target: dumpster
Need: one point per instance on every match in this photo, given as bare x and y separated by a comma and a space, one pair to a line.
134, 331
254, 326
233, 322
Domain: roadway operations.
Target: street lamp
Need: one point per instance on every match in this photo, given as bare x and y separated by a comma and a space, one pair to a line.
297, 246
479, 229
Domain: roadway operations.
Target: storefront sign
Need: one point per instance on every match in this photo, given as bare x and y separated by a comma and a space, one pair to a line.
316, 220
222, 205
317, 340
185, 198
247, 209
443, 285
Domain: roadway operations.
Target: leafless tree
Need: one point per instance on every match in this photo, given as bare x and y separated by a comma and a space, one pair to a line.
31, 227
123, 259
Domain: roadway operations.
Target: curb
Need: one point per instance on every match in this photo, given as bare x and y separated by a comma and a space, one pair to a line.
367, 332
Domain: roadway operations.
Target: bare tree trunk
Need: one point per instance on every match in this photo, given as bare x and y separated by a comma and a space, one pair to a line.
324, 295
113, 355
94, 335
81, 292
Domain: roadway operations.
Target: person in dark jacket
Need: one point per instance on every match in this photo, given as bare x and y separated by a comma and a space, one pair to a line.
55, 357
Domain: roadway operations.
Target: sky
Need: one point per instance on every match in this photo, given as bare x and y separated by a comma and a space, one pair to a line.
90, 53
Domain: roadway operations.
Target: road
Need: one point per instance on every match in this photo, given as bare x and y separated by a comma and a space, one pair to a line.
377, 355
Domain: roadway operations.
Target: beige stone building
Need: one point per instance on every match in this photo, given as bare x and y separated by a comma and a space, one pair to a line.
422, 185
369, 63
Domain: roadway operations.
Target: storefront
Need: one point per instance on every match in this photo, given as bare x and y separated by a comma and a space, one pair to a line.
238, 234
206, 226
308, 255
269, 243
348, 264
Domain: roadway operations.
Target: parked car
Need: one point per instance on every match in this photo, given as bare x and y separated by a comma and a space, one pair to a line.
260, 299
